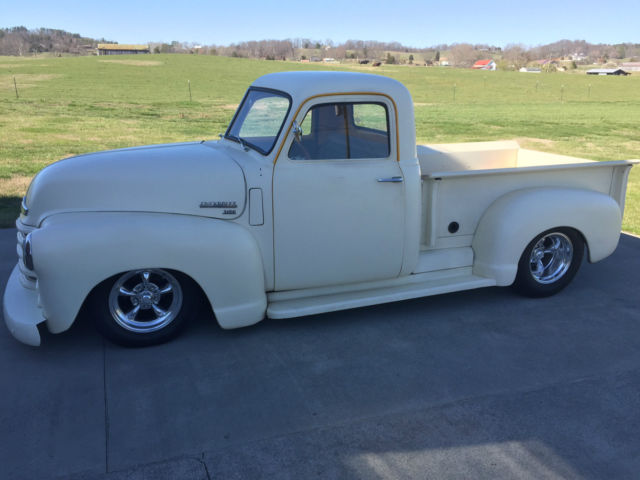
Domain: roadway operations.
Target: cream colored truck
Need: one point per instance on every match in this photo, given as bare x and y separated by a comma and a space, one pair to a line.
315, 199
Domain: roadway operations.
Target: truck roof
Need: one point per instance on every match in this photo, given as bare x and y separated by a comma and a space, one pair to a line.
302, 85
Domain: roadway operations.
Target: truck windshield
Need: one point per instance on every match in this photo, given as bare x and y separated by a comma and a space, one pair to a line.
259, 120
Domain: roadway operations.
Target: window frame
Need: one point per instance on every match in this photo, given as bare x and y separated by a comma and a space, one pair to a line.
352, 124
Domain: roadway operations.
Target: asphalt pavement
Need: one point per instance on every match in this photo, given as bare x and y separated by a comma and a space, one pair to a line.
471, 385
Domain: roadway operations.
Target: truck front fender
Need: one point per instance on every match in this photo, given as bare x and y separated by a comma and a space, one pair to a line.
514, 219
74, 252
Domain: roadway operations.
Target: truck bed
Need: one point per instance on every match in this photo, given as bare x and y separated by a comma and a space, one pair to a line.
460, 181
486, 157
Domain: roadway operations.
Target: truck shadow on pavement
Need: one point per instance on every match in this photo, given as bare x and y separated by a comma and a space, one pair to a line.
477, 384
9, 210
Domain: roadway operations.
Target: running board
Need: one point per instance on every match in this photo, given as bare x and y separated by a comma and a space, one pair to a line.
300, 307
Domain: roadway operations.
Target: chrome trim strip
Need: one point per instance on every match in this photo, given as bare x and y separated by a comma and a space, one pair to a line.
23, 207
28, 279
27, 282
391, 180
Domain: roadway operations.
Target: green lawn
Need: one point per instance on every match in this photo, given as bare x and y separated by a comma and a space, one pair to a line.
75, 105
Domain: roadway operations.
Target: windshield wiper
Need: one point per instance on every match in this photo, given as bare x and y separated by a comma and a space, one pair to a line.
244, 144
240, 140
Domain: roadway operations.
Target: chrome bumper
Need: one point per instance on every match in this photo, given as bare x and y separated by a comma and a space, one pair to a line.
21, 311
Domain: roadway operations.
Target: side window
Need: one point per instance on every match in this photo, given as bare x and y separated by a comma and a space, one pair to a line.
370, 115
333, 131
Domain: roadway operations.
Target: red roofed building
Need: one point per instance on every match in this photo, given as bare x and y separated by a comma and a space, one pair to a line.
484, 65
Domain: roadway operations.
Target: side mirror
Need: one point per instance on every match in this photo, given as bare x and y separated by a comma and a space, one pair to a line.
297, 131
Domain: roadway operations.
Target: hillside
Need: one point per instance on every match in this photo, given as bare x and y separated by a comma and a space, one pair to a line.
20, 41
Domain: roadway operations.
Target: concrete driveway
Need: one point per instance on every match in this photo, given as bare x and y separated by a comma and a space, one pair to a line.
480, 384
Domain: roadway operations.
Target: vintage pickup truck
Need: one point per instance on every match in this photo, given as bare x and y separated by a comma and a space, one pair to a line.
315, 199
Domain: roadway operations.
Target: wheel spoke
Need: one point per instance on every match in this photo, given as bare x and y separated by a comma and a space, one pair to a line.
166, 289
126, 292
132, 314
145, 277
159, 311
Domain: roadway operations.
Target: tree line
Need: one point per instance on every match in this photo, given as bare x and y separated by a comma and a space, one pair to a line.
21, 41
458, 54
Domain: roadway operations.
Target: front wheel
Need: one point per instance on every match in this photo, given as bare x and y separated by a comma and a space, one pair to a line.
549, 262
142, 307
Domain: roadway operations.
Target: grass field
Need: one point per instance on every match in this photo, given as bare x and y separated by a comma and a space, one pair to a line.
68, 106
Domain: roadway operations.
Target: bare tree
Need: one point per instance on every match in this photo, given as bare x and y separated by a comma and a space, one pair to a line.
516, 56
463, 55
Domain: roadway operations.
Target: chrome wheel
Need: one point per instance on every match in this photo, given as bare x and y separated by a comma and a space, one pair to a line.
551, 257
145, 301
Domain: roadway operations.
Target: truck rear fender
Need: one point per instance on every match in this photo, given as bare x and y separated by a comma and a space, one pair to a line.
75, 252
514, 219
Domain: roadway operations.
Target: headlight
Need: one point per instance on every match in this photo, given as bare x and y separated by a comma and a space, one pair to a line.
26, 252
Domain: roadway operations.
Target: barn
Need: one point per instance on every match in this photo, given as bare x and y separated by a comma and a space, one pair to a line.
606, 71
484, 65
117, 49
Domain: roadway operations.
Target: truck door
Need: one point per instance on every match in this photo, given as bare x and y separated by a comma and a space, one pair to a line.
338, 195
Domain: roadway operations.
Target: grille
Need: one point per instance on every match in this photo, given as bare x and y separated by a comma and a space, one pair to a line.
28, 278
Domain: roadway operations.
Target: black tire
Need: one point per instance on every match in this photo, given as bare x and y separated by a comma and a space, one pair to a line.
549, 262
143, 307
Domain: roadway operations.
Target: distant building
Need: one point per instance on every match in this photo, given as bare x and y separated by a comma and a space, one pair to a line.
530, 70
549, 61
444, 62
606, 71
631, 66
117, 49
484, 65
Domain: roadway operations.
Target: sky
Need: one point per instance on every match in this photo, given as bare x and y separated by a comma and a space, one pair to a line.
411, 22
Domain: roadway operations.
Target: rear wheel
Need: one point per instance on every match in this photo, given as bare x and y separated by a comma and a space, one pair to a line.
549, 262
142, 307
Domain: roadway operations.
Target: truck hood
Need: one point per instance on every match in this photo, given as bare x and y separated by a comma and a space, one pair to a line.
184, 178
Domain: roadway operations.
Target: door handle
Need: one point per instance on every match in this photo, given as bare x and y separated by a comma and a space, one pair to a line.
391, 180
